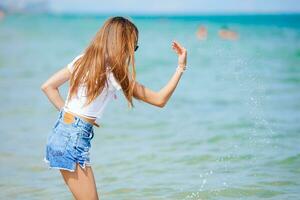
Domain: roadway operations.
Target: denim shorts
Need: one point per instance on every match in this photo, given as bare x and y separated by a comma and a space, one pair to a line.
69, 143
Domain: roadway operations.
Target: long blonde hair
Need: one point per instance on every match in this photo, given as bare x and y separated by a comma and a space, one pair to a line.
113, 46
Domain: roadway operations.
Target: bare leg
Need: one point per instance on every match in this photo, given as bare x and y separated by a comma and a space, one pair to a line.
81, 183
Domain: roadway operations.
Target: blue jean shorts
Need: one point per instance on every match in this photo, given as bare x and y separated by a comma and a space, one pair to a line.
69, 143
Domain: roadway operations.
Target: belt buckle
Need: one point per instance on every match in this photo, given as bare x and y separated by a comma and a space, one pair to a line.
68, 118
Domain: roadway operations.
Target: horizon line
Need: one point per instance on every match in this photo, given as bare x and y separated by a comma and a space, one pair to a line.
158, 14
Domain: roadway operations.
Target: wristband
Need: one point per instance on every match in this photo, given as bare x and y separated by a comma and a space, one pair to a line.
181, 69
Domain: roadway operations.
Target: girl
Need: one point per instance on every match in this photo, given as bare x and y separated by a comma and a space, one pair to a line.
95, 76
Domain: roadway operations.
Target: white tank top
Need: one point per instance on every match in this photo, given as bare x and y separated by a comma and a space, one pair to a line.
96, 107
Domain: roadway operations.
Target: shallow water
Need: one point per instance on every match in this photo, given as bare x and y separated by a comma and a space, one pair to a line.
230, 130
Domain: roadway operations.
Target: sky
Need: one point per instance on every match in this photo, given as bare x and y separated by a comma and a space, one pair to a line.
175, 6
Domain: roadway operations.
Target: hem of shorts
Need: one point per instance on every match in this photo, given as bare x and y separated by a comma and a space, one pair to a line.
85, 164
71, 170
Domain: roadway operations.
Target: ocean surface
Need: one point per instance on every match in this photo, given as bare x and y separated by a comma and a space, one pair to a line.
231, 129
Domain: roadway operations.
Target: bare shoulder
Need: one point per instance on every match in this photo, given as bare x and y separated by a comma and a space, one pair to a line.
70, 66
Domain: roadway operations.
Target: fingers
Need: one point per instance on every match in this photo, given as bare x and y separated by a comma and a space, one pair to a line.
177, 44
178, 48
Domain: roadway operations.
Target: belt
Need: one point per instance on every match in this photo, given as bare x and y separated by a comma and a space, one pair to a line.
94, 123
69, 117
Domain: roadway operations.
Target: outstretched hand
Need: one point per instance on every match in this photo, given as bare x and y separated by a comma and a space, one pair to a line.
181, 52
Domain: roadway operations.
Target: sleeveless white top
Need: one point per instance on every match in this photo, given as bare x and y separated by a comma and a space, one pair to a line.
96, 107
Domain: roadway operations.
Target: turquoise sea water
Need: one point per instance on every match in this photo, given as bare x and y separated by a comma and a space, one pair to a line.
230, 130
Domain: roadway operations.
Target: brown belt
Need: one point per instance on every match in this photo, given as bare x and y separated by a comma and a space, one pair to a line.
70, 117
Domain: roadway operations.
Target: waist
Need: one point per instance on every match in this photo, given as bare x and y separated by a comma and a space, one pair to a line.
89, 120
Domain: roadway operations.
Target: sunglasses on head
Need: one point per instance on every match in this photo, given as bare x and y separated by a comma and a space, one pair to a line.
136, 47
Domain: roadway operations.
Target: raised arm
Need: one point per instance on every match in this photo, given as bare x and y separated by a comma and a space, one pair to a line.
161, 97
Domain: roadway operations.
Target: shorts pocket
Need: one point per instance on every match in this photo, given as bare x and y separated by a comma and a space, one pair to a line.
85, 134
82, 143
